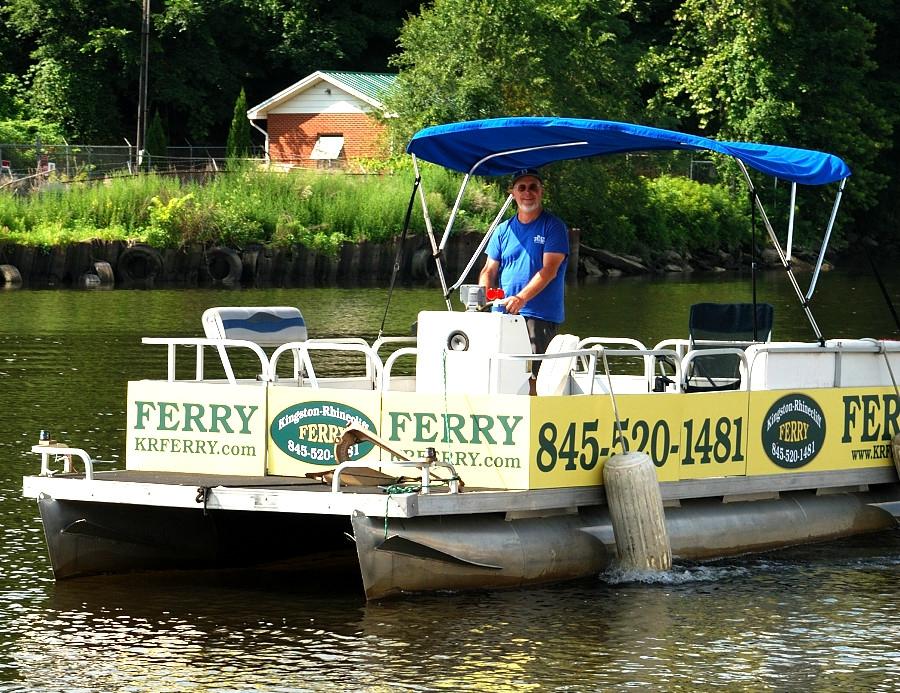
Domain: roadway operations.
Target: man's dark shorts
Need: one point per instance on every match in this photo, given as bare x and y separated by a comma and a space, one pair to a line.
540, 332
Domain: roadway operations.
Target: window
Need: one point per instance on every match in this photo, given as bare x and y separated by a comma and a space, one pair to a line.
328, 147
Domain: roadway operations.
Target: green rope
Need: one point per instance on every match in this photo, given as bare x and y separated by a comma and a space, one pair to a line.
400, 488
446, 412
408, 488
396, 488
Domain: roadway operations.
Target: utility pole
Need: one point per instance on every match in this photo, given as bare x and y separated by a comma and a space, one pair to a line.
141, 143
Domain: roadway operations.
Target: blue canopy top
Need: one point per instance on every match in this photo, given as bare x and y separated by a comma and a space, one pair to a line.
506, 145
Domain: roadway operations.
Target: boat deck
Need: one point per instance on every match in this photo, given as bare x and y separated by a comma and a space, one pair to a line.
301, 495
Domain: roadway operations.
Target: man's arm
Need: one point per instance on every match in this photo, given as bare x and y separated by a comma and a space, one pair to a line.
536, 284
488, 276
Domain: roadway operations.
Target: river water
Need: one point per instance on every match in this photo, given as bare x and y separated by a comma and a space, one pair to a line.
822, 617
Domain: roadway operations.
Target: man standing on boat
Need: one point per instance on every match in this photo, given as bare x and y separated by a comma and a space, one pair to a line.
529, 252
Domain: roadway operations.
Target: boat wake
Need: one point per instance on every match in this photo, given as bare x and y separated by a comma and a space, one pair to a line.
678, 575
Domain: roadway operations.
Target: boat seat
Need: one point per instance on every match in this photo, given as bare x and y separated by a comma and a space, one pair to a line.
717, 325
267, 326
553, 376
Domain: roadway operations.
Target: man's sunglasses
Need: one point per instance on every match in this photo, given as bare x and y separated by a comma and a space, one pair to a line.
531, 187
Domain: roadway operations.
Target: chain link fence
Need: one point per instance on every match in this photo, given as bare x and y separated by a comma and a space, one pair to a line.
21, 161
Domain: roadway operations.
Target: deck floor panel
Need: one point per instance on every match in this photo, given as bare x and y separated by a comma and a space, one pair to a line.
301, 495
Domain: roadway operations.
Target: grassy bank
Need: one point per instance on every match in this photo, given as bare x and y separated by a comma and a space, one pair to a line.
243, 206
237, 208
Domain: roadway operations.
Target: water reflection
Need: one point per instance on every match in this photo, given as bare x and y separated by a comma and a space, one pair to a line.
783, 621
812, 617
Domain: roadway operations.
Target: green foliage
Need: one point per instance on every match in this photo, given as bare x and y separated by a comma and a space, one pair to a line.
29, 131
199, 50
239, 144
243, 206
779, 72
465, 59
157, 143
173, 222
821, 74
685, 215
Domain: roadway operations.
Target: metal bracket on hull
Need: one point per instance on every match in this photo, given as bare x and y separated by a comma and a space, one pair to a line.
408, 547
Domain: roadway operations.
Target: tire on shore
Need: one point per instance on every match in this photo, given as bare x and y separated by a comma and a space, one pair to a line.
139, 265
222, 267
11, 276
105, 272
422, 264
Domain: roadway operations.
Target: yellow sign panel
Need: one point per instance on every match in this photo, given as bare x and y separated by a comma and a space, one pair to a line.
508, 441
686, 436
196, 427
305, 423
484, 437
819, 430
713, 435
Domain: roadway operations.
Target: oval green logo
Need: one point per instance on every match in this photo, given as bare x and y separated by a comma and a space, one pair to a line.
309, 430
793, 431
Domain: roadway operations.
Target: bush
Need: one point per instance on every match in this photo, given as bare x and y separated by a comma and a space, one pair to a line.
692, 216
247, 205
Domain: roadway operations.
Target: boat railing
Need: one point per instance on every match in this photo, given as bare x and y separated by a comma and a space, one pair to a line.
605, 342
389, 364
304, 372
384, 341
586, 360
571, 364
683, 346
424, 466
645, 382
200, 344
687, 369
65, 454
837, 363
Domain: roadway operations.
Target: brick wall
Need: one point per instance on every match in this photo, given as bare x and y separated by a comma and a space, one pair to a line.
292, 136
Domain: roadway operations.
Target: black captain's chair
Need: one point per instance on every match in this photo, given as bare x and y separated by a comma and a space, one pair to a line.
718, 326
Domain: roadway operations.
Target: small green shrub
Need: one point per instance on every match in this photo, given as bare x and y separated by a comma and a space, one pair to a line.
694, 216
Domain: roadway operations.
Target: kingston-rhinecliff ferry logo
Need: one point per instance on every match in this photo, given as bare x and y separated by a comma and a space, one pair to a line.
309, 430
793, 431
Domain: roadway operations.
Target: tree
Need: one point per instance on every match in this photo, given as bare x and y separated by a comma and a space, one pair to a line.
157, 142
469, 59
200, 50
74, 59
776, 71
464, 59
239, 144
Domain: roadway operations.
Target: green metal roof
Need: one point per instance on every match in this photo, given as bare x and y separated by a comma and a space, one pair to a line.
372, 84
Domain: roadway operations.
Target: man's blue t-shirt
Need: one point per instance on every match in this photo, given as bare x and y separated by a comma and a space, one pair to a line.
520, 248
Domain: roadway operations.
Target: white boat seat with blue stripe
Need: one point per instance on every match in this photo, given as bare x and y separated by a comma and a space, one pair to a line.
266, 326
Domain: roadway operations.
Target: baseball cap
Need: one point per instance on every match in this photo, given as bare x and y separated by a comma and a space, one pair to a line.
533, 172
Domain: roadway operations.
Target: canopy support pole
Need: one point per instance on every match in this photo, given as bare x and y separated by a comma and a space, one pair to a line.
804, 302
834, 211
478, 163
481, 246
790, 237
753, 262
429, 231
438, 251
